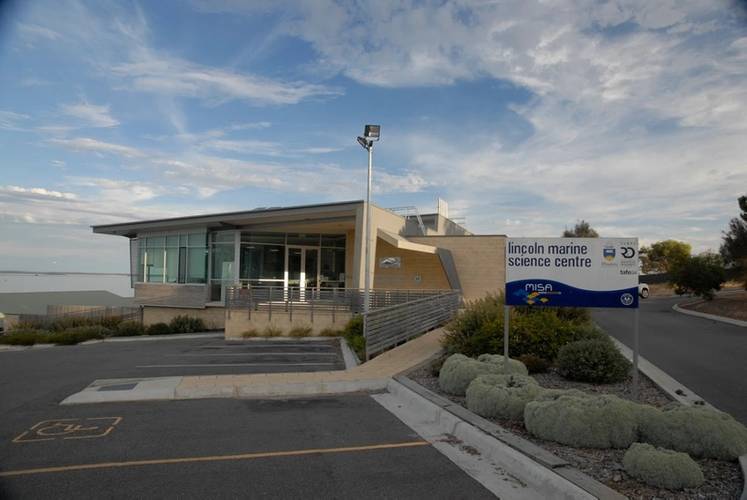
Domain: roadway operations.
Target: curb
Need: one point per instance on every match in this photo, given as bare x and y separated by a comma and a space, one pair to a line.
712, 317
677, 391
349, 357
549, 470
743, 463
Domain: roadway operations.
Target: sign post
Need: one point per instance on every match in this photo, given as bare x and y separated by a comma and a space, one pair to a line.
573, 272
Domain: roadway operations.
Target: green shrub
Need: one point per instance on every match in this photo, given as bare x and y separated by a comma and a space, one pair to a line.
701, 275
29, 325
24, 337
534, 364
501, 396
129, 329
272, 331
596, 361
78, 334
458, 371
67, 322
539, 331
158, 329
662, 468
582, 421
330, 332
251, 333
353, 333
186, 324
301, 331
701, 432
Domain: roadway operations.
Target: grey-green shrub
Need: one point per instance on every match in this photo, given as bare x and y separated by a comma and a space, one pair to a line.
458, 371
301, 331
596, 361
158, 329
662, 468
25, 337
186, 324
129, 329
501, 396
72, 336
701, 432
514, 365
582, 421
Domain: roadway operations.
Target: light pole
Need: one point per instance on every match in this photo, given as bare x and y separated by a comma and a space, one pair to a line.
371, 134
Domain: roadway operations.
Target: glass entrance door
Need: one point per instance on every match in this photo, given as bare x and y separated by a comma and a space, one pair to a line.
301, 271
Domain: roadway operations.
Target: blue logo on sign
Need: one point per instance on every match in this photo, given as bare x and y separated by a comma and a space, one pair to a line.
608, 253
626, 299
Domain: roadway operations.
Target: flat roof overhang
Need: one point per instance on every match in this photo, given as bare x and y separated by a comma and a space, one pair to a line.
328, 215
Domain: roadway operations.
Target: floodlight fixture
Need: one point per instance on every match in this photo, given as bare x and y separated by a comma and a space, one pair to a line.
363, 142
372, 132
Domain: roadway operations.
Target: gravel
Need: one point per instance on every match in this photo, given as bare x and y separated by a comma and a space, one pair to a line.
723, 480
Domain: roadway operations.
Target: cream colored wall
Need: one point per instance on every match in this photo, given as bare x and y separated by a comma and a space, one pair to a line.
479, 261
239, 322
380, 219
427, 266
214, 317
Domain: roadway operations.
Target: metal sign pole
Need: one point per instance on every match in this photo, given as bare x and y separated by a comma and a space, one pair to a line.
635, 353
505, 338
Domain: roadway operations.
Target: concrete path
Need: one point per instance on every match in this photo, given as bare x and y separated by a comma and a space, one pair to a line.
371, 376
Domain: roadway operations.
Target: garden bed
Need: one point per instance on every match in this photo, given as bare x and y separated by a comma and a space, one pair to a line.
723, 480
732, 306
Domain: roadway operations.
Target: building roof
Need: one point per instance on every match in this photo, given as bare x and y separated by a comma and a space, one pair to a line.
229, 220
37, 302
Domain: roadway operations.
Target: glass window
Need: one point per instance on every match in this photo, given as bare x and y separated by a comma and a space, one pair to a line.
222, 237
154, 272
155, 241
262, 262
223, 256
333, 240
172, 265
199, 239
172, 241
303, 239
196, 265
266, 238
333, 266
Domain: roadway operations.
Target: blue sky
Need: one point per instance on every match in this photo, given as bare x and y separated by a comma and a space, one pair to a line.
524, 116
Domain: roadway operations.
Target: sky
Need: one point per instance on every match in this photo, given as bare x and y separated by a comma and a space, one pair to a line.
524, 115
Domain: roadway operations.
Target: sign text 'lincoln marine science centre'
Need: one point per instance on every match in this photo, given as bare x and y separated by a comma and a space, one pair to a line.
572, 272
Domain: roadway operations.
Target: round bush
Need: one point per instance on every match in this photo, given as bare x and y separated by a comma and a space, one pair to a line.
158, 329
129, 329
582, 421
701, 432
596, 361
458, 371
501, 396
186, 324
514, 365
662, 468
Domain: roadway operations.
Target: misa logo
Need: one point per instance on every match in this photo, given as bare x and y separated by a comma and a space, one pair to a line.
608, 253
538, 287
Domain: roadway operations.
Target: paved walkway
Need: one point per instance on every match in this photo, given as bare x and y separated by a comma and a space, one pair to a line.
373, 375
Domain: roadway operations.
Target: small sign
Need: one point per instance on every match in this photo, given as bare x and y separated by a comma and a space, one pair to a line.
572, 272
390, 262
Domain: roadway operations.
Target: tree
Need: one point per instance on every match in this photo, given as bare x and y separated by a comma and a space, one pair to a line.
664, 256
734, 248
582, 229
701, 275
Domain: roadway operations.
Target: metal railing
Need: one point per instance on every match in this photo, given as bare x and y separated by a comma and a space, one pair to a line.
389, 326
126, 313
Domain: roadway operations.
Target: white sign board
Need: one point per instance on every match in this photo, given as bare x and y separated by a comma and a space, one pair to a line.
572, 272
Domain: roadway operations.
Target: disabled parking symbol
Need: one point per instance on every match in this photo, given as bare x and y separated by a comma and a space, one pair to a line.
69, 428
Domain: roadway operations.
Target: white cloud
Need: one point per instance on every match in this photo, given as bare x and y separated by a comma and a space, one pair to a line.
91, 114
10, 120
35, 31
96, 146
36, 192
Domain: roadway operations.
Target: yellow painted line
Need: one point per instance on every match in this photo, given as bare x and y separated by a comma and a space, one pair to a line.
211, 458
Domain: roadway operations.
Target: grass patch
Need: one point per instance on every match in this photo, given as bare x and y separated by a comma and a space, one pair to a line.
330, 332
250, 334
272, 331
301, 331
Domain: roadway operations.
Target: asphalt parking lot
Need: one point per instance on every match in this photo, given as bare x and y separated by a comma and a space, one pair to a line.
47, 376
330, 447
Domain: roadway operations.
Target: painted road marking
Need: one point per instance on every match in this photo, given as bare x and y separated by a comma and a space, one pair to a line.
208, 354
69, 428
212, 365
211, 458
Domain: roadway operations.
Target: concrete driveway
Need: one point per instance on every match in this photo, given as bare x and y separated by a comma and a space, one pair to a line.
707, 356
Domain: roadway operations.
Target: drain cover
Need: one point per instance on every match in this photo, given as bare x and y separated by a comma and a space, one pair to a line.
118, 387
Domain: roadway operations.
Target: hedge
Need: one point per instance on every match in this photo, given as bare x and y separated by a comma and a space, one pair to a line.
501, 396
662, 468
458, 371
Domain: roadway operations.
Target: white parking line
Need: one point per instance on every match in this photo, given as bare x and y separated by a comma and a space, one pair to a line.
209, 365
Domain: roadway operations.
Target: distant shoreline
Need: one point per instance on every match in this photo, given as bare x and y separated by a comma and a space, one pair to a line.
63, 273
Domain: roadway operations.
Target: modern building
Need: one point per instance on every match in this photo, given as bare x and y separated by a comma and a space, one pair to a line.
188, 265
